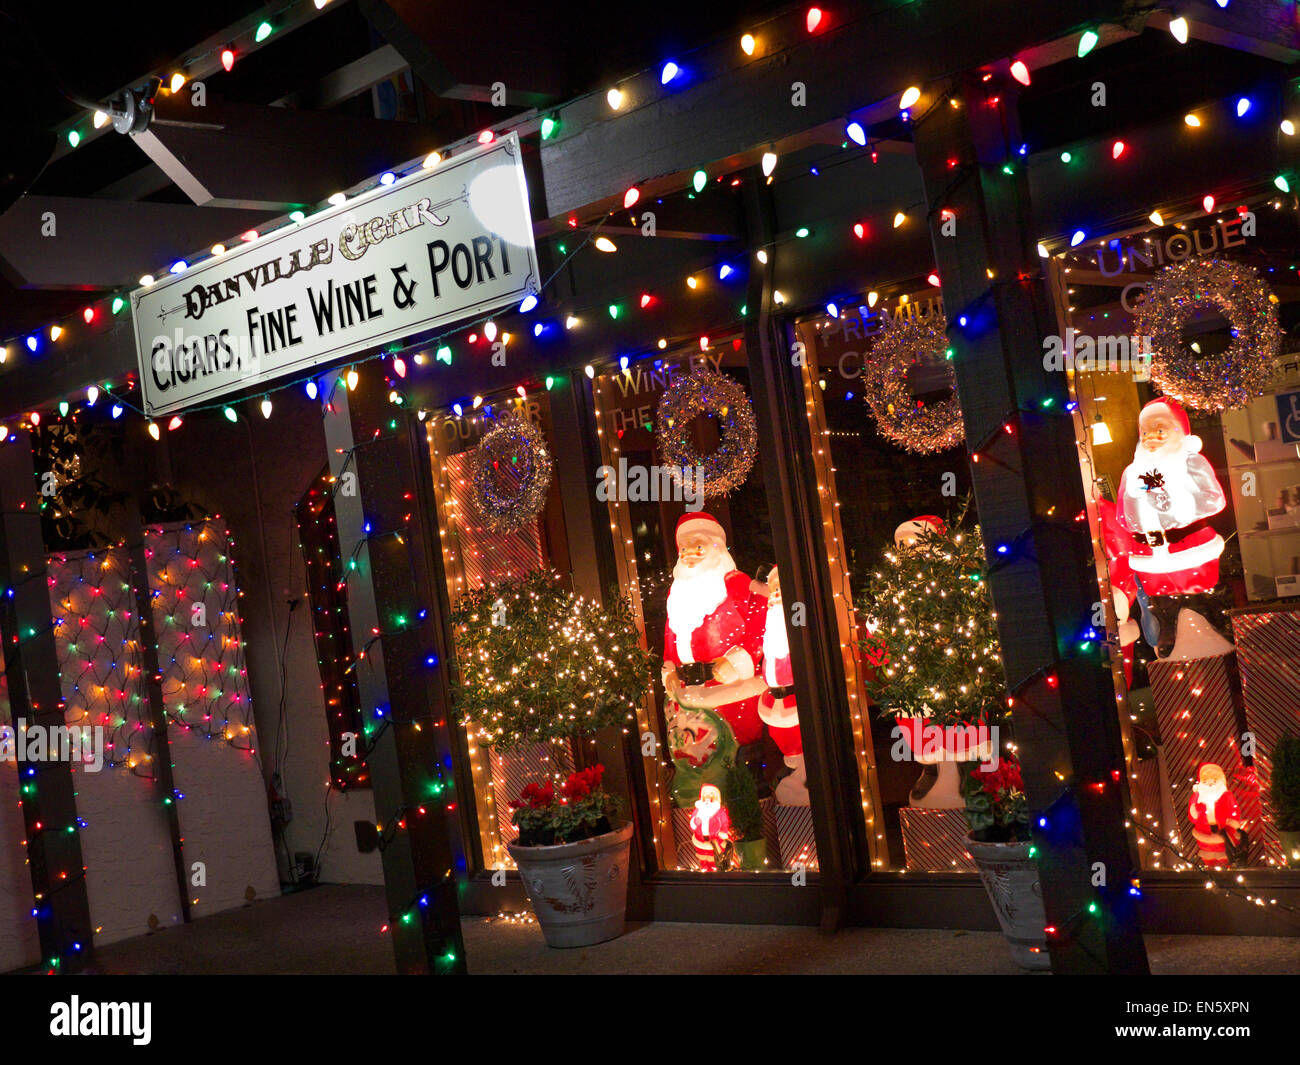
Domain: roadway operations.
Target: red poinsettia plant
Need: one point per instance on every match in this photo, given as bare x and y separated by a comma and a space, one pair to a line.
996, 807
580, 809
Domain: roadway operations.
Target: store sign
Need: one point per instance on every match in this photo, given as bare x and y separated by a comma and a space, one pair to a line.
435, 248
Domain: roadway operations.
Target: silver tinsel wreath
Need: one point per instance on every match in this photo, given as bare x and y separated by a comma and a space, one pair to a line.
518, 441
706, 392
900, 417
1235, 376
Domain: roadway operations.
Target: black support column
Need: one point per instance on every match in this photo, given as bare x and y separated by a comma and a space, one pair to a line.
788, 472
47, 789
1028, 491
384, 505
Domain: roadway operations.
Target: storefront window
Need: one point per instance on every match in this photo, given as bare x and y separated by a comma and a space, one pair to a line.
728, 789
474, 555
1194, 482
889, 485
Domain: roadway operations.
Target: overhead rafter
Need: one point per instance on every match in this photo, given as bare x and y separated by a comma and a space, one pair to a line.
736, 104
269, 158
106, 243
204, 59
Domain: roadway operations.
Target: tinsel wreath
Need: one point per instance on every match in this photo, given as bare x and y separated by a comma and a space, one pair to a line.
1239, 373
706, 392
909, 423
517, 441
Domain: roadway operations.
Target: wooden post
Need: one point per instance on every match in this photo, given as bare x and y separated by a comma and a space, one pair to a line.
398, 623
151, 677
1028, 491
820, 692
36, 698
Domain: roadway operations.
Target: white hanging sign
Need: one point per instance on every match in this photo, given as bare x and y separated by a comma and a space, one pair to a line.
429, 250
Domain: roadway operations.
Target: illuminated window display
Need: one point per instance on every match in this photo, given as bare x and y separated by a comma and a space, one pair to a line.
905, 555
1180, 360
498, 521
689, 515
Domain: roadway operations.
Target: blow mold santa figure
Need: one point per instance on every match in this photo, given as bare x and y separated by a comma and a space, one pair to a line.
711, 830
1216, 821
713, 640
1166, 496
776, 706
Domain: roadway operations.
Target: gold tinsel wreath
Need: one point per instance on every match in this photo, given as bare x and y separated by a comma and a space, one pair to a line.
899, 416
705, 392
519, 441
1236, 375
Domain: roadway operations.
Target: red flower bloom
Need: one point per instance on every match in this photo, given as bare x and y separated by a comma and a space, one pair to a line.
537, 796
583, 782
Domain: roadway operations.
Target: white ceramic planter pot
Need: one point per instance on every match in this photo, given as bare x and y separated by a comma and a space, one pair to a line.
1011, 879
578, 890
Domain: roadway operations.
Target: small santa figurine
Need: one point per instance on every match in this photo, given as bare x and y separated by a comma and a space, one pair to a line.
710, 829
713, 639
1214, 815
1166, 496
776, 706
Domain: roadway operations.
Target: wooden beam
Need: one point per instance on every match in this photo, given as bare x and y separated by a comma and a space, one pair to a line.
240, 34
740, 105
397, 589
95, 244
31, 663
270, 158
1028, 492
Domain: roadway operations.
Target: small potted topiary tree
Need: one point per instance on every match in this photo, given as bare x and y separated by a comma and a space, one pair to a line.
537, 662
746, 818
1284, 796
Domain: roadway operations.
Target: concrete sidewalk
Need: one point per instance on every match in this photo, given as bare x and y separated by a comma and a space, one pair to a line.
335, 929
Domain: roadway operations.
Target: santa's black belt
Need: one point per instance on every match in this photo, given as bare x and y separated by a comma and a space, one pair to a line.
695, 672
1174, 536
783, 692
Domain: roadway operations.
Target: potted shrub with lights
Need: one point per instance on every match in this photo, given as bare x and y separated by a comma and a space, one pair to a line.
999, 842
536, 663
1284, 796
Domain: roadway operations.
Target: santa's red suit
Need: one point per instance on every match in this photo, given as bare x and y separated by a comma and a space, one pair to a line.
732, 629
776, 706
1119, 545
1165, 499
1212, 825
710, 825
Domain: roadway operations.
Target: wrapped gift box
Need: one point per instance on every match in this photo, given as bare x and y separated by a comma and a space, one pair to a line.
1268, 648
794, 833
1201, 717
934, 841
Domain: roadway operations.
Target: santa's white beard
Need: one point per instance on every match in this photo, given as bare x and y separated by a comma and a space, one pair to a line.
776, 641
697, 591
1208, 795
707, 811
